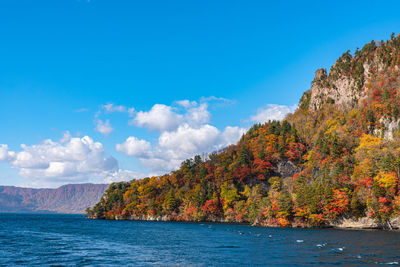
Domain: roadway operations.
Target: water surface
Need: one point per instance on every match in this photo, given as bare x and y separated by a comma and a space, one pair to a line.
48, 239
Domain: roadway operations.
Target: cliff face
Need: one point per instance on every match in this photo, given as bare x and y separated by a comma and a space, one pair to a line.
71, 198
334, 162
366, 82
349, 79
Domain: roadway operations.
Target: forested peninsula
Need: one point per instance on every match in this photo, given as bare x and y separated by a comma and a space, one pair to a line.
334, 162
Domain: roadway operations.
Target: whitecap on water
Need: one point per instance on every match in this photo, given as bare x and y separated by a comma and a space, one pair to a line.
339, 249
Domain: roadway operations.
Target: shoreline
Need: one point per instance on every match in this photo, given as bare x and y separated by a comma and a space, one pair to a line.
361, 224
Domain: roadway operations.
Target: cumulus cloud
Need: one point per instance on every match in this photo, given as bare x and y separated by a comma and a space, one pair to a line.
134, 147
104, 127
173, 147
163, 118
198, 115
272, 112
159, 118
6, 155
232, 134
184, 131
186, 141
57, 162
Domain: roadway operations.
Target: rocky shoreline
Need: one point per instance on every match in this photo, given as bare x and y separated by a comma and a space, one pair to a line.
364, 223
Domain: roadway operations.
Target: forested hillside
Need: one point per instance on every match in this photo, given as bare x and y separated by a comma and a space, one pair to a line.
336, 157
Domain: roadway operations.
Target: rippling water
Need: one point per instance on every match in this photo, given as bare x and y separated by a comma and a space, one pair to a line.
28, 239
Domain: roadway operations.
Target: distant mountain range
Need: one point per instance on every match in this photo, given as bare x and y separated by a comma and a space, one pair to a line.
71, 198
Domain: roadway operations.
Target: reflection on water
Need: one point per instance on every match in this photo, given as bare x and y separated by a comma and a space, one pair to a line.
27, 239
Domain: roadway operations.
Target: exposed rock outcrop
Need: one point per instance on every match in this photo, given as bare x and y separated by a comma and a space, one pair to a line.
286, 168
389, 130
366, 223
347, 80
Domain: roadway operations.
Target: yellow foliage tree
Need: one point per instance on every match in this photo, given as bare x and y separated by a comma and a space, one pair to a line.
386, 180
368, 153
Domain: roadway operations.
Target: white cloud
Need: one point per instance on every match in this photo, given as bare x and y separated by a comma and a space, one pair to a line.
175, 146
232, 134
53, 163
272, 112
113, 108
110, 108
218, 99
184, 132
186, 103
159, 118
163, 118
198, 115
6, 155
104, 127
187, 141
66, 137
134, 147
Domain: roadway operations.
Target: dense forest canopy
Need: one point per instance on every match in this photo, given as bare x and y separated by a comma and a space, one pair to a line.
337, 156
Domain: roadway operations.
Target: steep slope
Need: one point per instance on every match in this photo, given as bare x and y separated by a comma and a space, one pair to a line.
336, 160
11, 198
71, 198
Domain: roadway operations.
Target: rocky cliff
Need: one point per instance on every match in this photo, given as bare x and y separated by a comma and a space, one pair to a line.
350, 78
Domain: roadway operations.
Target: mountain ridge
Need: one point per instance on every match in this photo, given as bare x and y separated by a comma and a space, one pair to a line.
70, 198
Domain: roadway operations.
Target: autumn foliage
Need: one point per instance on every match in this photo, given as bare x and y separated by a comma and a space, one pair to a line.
312, 168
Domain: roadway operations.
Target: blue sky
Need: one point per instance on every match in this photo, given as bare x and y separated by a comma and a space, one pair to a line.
116, 71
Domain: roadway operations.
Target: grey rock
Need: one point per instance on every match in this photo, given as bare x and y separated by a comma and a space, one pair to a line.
286, 168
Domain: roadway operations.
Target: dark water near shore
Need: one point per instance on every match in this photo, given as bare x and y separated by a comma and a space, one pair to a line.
33, 239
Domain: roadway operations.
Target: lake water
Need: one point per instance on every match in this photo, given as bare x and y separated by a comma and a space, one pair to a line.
28, 239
